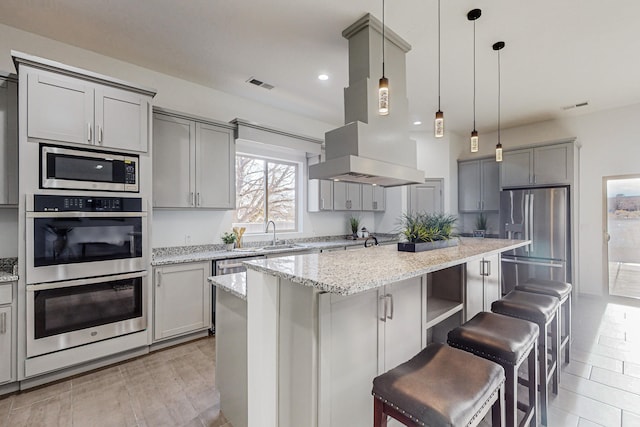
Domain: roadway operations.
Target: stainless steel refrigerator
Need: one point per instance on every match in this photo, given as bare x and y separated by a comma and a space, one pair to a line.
542, 216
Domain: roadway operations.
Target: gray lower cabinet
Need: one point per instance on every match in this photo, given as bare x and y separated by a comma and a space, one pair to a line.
483, 284
7, 334
478, 185
181, 299
72, 109
347, 196
544, 165
373, 198
193, 163
8, 140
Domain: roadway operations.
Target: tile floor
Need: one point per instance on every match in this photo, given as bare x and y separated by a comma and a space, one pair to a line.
175, 387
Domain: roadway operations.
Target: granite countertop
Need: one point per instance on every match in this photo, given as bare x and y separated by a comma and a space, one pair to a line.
181, 254
234, 283
7, 268
358, 271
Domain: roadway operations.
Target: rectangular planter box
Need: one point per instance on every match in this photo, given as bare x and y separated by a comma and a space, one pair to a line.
426, 246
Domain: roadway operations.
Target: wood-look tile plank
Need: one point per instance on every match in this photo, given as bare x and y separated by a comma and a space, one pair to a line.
560, 417
29, 397
53, 412
617, 380
621, 344
630, 420
596, 360
587, 408
578, 369
603, 393
213, 417
5, 407
631, 369
586, 423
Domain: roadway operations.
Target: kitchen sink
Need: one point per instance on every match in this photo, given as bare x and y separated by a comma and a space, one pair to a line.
278, 247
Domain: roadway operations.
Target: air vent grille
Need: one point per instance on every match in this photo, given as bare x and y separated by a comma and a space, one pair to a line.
260, 83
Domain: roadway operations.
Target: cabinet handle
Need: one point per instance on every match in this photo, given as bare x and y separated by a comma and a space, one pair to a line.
199, 202
485, 268
534, 178
384, 314
89, 136
192, 199
159, 279
322, 203
375, 205
3, 324
479, 205
390, 316
100, 135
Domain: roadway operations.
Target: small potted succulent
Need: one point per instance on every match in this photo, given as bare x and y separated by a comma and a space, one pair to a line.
228, 239
427, 231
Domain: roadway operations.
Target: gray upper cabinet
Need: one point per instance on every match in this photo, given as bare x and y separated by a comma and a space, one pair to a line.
320, 195
347, 196
478, 184
193, 163
8, 141
545, 165
373, 198
70, 109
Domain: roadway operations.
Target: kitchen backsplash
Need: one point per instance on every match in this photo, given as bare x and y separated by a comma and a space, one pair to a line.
7, 264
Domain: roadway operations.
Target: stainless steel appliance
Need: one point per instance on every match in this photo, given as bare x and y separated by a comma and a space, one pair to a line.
542, 216
77, 169
67, 314
227, 266
73, 237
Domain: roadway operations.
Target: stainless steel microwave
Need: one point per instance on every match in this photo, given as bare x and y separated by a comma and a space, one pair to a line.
77, 169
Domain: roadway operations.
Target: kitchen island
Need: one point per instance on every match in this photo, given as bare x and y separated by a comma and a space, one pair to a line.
320, 327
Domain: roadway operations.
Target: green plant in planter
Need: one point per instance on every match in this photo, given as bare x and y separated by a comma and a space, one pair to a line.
354, 222
427, 227
481, 221
228, 238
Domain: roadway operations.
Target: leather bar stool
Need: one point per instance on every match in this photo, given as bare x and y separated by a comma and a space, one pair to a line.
543, 311
562, 291
440, 386
509, 342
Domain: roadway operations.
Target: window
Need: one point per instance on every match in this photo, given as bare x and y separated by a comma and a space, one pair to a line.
266, 190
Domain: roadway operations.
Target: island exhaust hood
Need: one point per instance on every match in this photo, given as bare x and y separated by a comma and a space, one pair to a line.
370, 148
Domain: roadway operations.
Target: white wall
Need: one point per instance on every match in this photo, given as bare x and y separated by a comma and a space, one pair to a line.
8, 233
610, 146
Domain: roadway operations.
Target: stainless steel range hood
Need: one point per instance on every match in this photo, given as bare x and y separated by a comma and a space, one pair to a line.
370, 148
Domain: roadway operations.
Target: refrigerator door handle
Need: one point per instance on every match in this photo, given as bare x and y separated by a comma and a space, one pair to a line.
526, 220
538, 263
531, 231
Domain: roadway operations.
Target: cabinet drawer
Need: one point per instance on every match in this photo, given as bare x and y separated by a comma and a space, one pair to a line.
6, 293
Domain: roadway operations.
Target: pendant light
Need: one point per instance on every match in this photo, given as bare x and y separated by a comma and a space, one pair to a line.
473, 15
498, 47
438, 124
383, 87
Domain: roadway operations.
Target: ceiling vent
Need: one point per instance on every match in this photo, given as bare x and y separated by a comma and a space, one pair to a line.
260, 83
578, 105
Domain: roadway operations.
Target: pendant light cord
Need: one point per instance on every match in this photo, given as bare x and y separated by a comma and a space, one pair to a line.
474, 75
382, 38
499, 96
438, 55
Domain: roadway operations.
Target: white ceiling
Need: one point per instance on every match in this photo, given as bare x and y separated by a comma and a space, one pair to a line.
557, 53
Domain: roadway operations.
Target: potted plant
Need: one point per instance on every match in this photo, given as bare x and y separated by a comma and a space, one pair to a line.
481, 225
427, 231
354, 222
228, 239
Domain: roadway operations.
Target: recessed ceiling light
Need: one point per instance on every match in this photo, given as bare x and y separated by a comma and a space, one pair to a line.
417, 123
323, 77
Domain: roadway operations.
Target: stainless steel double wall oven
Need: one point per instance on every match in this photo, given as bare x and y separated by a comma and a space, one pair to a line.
86, 269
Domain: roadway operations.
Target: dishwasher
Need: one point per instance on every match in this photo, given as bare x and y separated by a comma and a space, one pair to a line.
222, 267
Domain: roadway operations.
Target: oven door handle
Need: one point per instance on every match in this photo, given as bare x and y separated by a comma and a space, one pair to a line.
85, 214
81, 282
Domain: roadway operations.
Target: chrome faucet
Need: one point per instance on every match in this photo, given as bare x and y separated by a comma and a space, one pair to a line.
374, 243
266, 230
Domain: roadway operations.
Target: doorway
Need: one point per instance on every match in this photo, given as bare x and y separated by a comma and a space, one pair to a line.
622, 222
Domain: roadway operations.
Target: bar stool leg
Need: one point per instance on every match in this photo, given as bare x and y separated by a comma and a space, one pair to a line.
567, 313
555, 350
511, 384
533, 388
497, 409
379, 417
543, 374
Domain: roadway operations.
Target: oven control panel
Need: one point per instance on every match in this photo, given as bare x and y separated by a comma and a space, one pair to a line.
50, 203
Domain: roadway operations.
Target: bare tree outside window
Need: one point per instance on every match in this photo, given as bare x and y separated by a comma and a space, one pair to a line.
266, 190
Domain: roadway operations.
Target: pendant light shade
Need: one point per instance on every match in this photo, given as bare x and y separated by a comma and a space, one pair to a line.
473, 15
383, 86
438, 124
498, 46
